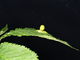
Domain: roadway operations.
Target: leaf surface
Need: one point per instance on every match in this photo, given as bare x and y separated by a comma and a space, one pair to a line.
34, 32
10, 51
3, 30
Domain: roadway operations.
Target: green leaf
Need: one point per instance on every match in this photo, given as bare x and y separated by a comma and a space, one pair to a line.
10, 51
34, 32
3, 30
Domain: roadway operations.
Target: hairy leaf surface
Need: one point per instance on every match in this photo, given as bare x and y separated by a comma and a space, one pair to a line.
34, 32
10, 51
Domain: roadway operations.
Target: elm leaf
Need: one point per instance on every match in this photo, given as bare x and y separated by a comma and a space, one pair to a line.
10, 51
3, 30
34, 32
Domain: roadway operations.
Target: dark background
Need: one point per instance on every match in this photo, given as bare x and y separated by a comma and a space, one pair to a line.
61, 18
